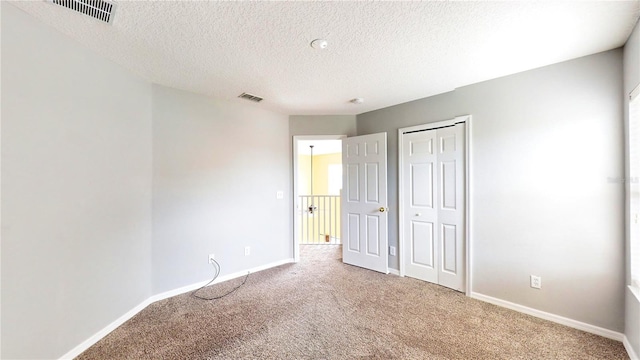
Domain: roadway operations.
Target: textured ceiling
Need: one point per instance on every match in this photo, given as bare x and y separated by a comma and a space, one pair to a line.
385, 52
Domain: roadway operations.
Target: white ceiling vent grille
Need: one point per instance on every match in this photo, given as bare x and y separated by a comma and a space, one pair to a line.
250, 97
98, 9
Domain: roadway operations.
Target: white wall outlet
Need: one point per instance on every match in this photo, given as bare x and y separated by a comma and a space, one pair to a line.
392, 250
280, 195
210, 258
247, 250
536, 282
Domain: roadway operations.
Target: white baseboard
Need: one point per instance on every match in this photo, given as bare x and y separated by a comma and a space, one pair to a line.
394, 272
184, 289
627, 345
167, 294
104, 332
551, 317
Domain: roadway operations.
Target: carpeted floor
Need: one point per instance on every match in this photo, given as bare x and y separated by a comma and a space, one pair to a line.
323, 309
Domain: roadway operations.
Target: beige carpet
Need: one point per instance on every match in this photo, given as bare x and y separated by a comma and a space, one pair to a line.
323, 309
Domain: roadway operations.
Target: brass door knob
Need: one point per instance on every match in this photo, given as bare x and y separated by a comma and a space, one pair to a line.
382, 209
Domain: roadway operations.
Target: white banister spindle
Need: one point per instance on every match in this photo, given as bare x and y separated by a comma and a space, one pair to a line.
319, 219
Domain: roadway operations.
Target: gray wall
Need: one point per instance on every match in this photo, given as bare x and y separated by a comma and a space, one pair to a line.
82, 191
76, 186
322, 125
216, 169
631, 80
544, 144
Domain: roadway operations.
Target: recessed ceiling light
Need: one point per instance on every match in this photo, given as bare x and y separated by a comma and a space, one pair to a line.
319, 44
357, 101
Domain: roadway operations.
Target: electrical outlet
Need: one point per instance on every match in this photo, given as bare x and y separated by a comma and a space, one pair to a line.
247, 250
536, 282
280, 195
210, 258
392, 250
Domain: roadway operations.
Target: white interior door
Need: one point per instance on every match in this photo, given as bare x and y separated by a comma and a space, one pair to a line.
364, 202
421, 213
433, 223
451, 269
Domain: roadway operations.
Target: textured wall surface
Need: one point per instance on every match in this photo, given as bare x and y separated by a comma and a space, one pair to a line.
545, 143
76, 190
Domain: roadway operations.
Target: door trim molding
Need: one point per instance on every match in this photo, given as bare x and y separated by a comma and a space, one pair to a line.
468, 188
630, 351
296, 219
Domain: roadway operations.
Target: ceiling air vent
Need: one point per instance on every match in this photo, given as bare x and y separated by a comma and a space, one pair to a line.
250, 97
98, 9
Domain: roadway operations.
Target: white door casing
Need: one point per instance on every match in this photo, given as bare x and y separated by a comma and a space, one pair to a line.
296, 186
433, 228
364, 202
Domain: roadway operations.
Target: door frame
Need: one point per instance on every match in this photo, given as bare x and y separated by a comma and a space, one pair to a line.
296, 186
467, 201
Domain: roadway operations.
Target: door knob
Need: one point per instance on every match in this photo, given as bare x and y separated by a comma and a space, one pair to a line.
382, 209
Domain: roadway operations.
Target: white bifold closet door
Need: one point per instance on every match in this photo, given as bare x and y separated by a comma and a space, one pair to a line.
433, 174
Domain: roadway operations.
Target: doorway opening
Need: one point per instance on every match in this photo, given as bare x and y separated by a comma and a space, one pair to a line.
317, 190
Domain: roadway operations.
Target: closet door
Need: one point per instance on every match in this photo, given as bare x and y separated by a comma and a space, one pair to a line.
421, 212
433, 224
450, 209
